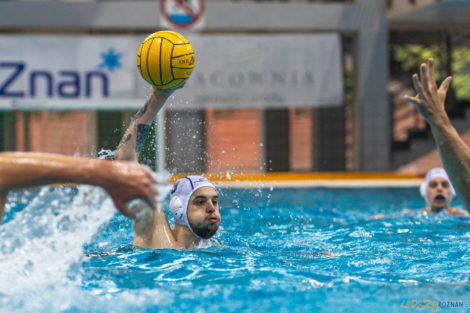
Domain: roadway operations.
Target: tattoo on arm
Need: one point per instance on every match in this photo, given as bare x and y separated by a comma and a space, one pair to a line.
125, 140
142, 110
142, 132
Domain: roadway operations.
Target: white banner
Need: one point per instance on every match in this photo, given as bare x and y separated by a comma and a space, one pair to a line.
231, 71
266, 71
67, 67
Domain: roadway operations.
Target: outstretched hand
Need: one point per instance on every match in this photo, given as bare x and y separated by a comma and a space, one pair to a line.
430, 99
165, 93
128, 181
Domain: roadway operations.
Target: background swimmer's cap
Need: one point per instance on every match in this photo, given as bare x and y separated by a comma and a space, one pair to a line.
435, 172
179, 198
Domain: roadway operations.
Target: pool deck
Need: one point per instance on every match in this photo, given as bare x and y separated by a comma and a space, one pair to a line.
323, 179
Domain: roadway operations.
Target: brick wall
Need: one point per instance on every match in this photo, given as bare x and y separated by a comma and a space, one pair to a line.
300, 139
233, 140
70, 133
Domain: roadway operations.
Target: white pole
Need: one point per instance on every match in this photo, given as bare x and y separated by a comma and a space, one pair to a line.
160, 135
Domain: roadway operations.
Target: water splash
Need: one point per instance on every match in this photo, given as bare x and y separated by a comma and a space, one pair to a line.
46, 239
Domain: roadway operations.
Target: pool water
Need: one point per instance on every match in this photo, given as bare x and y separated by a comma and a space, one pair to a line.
283, 250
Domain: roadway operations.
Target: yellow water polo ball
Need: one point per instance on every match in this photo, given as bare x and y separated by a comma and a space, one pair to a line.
165, 59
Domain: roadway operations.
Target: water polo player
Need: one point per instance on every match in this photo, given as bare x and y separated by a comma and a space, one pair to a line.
438, 192
193, 200
430, 103
194, 205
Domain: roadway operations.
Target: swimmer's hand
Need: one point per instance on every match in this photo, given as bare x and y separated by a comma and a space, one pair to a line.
379, 216
430, 100
165, 93
126, 181
409, 212
162, 93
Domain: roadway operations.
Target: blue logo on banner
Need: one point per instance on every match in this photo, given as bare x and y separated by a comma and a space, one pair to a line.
110, 60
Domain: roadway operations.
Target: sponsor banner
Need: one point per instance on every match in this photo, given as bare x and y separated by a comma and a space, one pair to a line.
231, 71
67, 67
266, 71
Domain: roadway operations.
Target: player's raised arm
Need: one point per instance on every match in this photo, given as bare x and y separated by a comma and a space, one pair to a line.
133, 140
455, 155
165, 60
151, 230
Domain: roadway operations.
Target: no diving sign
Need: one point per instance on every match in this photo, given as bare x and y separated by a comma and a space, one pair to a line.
182, 13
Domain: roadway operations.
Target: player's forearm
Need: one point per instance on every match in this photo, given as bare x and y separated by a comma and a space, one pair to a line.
156, 234
133, 140
143, 229
20, 170
455, 156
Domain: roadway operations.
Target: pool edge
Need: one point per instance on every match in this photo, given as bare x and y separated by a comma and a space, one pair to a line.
313, 179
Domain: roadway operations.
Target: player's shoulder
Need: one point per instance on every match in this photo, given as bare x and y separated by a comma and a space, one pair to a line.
455, 211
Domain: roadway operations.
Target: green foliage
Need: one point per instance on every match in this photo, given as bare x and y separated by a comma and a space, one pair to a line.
461, 75
148, 154
410, 56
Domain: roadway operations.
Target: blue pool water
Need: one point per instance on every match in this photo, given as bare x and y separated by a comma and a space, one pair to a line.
284, 250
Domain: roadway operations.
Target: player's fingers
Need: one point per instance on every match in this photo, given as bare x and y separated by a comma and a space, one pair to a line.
430, 74
411, 100
445, 84
127, 212
152, 177
154, 203
150, 174
417, 86
124, 209
424, 76
154, 191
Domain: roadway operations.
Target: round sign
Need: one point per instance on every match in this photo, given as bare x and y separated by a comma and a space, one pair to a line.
182, 13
